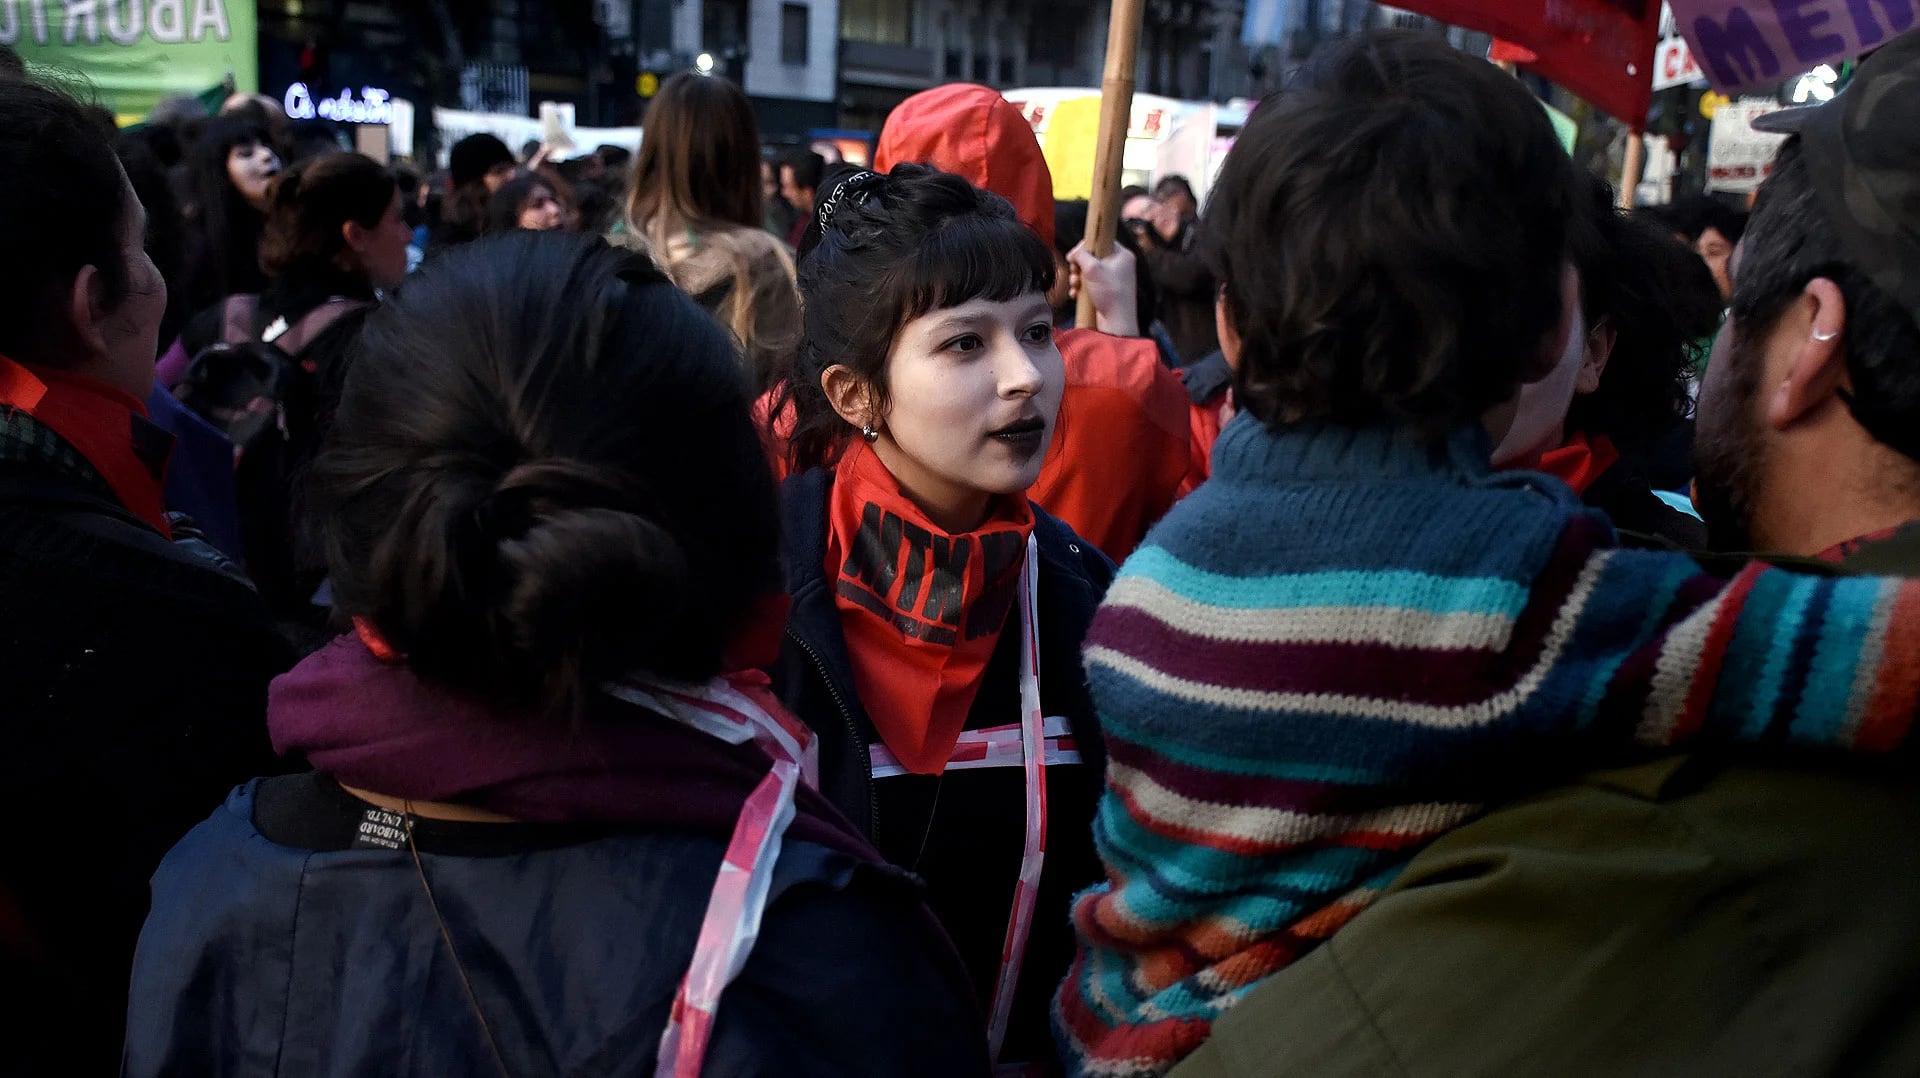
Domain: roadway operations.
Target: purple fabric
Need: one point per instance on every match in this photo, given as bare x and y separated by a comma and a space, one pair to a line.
173, 366
378, 726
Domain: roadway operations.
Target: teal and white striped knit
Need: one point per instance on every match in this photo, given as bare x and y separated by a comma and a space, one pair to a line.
1346, 644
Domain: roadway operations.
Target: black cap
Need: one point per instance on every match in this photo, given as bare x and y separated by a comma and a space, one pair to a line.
1862, 151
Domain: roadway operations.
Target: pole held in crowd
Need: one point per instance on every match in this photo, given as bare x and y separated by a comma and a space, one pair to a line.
1116, 109
1631, 168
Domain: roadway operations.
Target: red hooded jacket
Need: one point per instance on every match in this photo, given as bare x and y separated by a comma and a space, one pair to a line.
1121, 447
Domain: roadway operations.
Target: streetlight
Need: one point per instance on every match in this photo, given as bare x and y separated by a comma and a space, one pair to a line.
704, 63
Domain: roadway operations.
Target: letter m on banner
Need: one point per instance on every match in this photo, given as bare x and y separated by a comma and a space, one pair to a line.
1743, 43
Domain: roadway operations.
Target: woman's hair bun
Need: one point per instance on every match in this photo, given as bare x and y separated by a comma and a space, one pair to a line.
543, 475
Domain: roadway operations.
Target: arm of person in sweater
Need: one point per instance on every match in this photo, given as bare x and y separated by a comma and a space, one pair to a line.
1179, 273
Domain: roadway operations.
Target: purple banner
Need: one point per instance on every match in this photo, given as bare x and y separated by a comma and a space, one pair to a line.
1743, 43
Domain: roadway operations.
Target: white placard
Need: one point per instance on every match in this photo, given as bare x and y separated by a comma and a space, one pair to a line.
1738, 157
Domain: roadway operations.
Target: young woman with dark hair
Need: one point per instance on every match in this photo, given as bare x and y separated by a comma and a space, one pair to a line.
225, 209
335, 236
526, 202
135, 669
549, 520
1629, 386
937, 613
696, 206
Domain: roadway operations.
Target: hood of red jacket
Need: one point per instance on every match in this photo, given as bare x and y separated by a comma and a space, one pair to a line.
974, 133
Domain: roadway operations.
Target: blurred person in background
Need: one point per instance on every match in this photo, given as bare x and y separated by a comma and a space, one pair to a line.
232, 167
335, 239
1630, 384
525, 202
800, 176
697, 208
1165, 225
477, 166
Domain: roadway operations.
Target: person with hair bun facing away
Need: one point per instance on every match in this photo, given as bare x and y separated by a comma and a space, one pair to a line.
697, 208
135, 669
550, 523
937, 612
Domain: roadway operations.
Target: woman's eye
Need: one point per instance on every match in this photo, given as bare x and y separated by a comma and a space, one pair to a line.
967, 343
1039, 333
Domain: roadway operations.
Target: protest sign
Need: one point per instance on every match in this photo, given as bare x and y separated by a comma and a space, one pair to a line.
1673, 64
1738, 157
133, 53
1744, 43
1599, 49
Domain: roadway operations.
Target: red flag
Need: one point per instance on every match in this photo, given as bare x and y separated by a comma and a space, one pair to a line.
1599, 49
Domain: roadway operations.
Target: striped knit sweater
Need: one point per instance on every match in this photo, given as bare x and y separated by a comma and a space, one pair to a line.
1346, 644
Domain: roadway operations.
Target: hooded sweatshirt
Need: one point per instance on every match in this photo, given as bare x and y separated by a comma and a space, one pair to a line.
1120, 449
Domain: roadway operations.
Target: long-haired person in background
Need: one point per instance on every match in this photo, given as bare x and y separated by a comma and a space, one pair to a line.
527, 201
1640, 292
135, 670
336, 235
548, 516
697, 207
225, 209
937, 612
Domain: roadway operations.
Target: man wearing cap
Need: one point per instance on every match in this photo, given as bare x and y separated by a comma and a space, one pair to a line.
1692, 915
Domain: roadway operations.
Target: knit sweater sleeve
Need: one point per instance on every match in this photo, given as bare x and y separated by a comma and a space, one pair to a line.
1281, 746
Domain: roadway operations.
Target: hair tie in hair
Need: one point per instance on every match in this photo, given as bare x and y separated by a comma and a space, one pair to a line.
854, 188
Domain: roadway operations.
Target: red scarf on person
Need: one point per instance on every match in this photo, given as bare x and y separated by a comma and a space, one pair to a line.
921, 608
1580, 461
107, 427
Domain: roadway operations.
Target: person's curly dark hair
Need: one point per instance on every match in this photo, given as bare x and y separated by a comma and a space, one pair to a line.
1391, 229
1659, 298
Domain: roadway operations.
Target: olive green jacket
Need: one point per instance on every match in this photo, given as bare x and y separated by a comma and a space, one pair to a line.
1680, 917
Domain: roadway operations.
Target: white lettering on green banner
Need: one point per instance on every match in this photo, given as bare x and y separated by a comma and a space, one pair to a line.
133, 53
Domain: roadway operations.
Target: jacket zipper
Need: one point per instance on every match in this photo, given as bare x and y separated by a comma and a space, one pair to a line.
853, 731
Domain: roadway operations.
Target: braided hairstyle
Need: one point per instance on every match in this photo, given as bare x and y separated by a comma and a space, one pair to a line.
883, 250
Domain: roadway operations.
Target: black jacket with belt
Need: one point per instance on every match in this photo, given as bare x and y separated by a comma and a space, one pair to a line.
961, 831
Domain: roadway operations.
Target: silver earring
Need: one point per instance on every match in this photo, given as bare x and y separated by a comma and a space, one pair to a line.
1825, 337
868, 432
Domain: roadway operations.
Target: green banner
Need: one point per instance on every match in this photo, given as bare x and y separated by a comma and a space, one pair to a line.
133, 53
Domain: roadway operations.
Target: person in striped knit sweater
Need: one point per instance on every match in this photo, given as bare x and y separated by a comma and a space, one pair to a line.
1356, 636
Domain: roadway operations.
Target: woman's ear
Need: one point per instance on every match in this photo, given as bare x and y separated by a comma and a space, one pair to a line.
86, 312
850, 395
357, 237
1601, 340
1229, 332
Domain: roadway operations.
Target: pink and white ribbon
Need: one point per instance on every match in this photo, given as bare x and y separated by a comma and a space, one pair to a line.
734, 712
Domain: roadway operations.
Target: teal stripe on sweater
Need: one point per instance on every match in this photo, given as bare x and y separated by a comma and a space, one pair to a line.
1247, 760
1790, 611
1396, 588
1836, 660
1208, 871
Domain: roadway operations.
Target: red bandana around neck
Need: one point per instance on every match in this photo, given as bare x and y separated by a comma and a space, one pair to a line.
1581, 460
921, 608
106, 426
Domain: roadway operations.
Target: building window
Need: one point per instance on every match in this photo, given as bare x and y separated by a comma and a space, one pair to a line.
979, 67
1056, 44
883, 22
793, 34
1006, 71
956, 64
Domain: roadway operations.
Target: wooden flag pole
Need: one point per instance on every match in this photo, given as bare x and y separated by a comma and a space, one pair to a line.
1116, 110
1632, 168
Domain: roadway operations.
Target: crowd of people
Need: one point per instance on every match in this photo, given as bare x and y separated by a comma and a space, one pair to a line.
527, 620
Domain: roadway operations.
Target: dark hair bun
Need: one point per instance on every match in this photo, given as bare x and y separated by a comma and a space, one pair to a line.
543, 475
